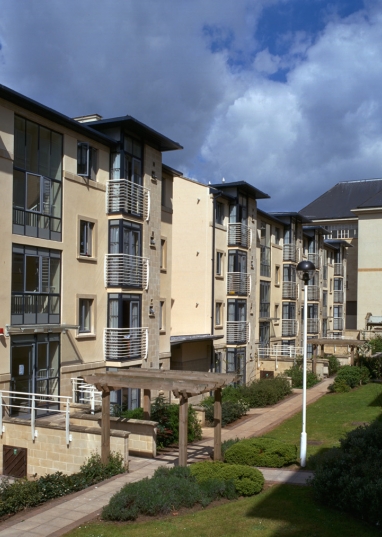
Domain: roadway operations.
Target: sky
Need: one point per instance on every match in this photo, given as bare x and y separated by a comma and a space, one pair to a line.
283, 94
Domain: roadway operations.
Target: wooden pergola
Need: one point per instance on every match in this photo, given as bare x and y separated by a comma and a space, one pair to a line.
321, 342
183, 384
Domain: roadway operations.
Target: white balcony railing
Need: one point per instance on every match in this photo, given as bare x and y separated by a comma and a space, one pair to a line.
280, 351
289, 252
239, 235
313, 292
237, 332
87, 394
124, 196
315, 259
289, 327
123, 270
338, 297
313, 326
238, 283
125, 343
290, 290
338, 323
338, 269
324, 311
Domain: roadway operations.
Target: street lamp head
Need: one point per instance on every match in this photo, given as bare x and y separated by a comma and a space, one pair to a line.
305, 271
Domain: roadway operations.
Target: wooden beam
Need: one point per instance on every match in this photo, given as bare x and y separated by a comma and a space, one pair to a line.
183, 430
218, 425
105, 427
146, 404
351, 355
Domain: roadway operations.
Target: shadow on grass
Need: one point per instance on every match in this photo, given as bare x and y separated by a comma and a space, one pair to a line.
377, 402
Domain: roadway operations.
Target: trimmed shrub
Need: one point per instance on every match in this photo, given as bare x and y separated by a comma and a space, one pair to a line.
136, 414
352, 376
228, 443
349, 478
333, 364
248, 481
167, 416
231, 411
296, 374
265, 452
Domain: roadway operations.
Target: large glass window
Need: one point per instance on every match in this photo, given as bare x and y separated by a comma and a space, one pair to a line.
37, 181
35, 285
265, 299
236, 363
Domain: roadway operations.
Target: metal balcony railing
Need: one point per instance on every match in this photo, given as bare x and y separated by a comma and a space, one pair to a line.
86, 394
280, 351
124, 196
289, 252
338, 323
238, 283
239, 235
290, 290
123, 270
324, 311
125, 343
289, 327
338, 297
315, 259
313, 292
237, 332
338, 269
313, 326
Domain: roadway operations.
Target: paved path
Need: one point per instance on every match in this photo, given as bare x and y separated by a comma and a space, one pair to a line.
62, 514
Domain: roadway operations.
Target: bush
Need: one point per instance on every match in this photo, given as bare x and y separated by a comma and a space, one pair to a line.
167, 416
231, 411
265, 452
334, 364
296, 374
248, 481
168, 490
266, 392
352, 376
348, 478
23, 493
228, 443
120, 412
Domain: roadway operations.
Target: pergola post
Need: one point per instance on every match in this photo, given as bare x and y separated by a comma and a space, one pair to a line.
105, 426
351, 355
218, 425
183, 429
314, 359
146, 404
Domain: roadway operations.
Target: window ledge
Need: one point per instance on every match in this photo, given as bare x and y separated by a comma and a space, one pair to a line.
219, 277
86, 335
85, 181
163, 271
87, 259
162, 332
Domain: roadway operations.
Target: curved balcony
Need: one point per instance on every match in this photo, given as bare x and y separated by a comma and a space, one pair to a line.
238, 283
290, 290
237, 332
239, 235
124, 196
338, 323
313, 326
289, 327
289, 252
125, 343
338, 297
313, 292
123, 270
315, 259
338, 269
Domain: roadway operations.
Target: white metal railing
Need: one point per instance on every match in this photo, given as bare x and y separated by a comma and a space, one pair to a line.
123, 270
30, 403
313, 292
338, 269
124, 196
338, 323
338, 297
237, 332
238, 283
279, 351
239, 234
289, 252
313, 326
125, 343
315, 259
333, 336
290, 290
85, 393
289, 327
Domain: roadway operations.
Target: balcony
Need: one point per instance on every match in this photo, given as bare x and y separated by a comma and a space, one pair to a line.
125, 343
238, 283
324, 312
289, 252
338, 297
124, 196
338, 323
237, 332
279, 351
290, 290
338, 269
289, 327
36, 308
313, 292
315, 259
123, 270
313, 326
239, 235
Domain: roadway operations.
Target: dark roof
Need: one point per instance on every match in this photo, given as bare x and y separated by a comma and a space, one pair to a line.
176, 340
341, 199
171, 171
336, 243
143, 131
48, 113
320, 229
243, 186
373, 201
270, 216
286, 217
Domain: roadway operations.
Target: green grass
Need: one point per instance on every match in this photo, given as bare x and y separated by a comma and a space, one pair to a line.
284, 510
329, 418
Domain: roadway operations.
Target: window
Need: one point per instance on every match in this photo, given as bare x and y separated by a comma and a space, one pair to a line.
162, 317
86, 238
265, 299
277, 275
87, 161
37, 181
218, 366
219, 313
277, 235
277, 313
265, 250
163, 254
36, 275
129, 269
85, 315
219, 263
219, 213
236, 363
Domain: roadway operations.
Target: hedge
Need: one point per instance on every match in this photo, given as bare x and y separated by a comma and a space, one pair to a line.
248, 481
264, 452
349, 377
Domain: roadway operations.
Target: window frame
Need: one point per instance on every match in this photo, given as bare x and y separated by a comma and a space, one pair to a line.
219, 265
219, 314
90, 162
83, 331
163, 254
162, 316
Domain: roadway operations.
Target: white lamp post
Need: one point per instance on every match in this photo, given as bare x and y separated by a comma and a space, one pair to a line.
305, 271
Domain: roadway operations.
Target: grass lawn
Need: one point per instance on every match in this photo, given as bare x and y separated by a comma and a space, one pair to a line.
283, 510
329, 418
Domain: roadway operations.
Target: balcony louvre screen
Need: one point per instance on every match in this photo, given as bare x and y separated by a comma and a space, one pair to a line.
239, 235
123, 270
237, 332
125, 343
289, 252
238, 283
290, 290
124, 196
289, 327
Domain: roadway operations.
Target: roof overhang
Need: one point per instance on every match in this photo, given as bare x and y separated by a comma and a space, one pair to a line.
177, 340
243, 186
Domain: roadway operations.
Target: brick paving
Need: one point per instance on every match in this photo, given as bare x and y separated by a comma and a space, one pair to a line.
63, 515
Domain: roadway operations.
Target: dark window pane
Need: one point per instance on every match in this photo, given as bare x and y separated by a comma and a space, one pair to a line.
44, 153
56, 157
19, 142
32, 273
32, 147
17, 272
33, 193
19, 189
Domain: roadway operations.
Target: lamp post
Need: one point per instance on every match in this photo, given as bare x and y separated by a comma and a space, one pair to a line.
305, 271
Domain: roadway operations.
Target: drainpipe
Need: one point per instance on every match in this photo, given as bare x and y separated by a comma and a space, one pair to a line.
215, 197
